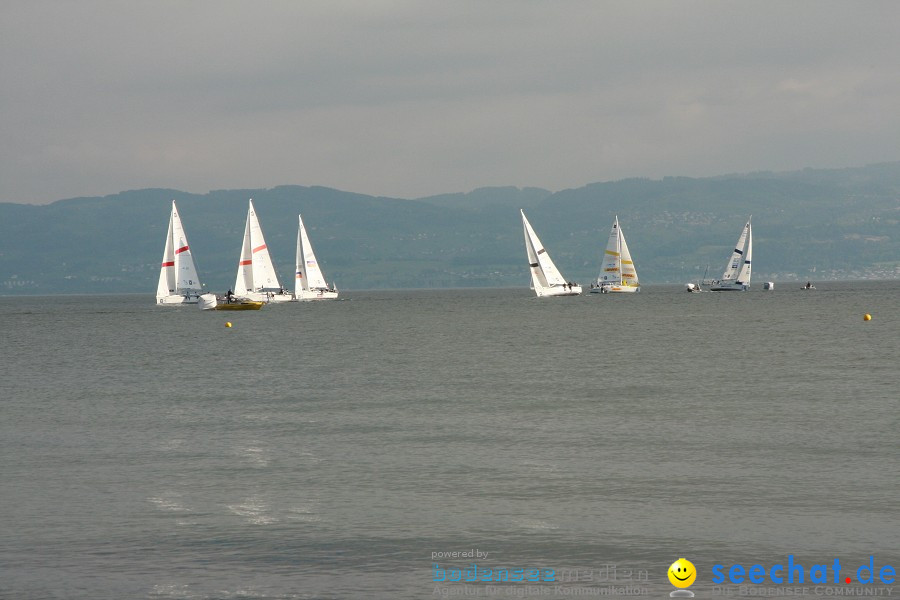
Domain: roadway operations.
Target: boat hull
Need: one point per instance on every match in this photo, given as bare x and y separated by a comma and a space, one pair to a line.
242, 305
575, 290
213, 302
616, 289
267, 297
741, 287
309, 296
176, 300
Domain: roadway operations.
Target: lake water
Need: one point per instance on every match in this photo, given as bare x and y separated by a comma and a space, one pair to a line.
331, 450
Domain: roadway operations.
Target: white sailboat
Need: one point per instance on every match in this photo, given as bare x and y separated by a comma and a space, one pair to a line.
178, 280
736, 277
545, 277
309, 283
256, 278
618, 274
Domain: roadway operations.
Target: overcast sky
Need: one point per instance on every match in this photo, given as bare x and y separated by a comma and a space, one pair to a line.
413, 98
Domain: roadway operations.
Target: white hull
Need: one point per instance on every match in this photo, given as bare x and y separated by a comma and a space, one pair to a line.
616, 289
264, 297
564, 290
177, 300
309, 296
736, 287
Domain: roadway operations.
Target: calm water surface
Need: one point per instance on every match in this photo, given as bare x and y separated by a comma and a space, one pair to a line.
327, 450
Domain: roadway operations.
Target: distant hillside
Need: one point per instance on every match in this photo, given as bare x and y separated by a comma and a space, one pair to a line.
820, 224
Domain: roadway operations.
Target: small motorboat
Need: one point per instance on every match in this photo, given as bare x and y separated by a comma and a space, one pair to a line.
213, 302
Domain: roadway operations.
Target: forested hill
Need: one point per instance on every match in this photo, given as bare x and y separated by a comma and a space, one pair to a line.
819, 224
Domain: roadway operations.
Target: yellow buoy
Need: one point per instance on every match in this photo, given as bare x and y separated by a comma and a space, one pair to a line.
867, 317
228, 324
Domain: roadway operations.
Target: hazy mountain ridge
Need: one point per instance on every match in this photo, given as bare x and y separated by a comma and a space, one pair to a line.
839, 223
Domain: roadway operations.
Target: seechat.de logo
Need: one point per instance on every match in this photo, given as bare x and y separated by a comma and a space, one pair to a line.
794, 572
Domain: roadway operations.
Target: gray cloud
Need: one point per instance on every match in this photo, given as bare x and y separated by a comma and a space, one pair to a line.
414, 98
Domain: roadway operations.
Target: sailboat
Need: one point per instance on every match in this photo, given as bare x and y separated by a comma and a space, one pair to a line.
256, 278
178, 280
309, 283
736, 277
618, 274
545, 277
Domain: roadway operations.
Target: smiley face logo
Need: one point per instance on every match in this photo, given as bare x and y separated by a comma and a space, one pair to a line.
682, 573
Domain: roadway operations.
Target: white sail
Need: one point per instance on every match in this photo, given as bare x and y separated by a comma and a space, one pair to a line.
166, 286
178, 280
738, 269
629, 273
244, 281
744, 275
545, 277
618, 273
256, 278
309, 283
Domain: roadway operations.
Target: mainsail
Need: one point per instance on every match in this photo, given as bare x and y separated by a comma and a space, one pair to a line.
544, 273
738, 267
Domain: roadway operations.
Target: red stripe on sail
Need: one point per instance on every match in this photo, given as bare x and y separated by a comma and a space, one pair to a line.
245, 262
258, 248
182, 249
169, 264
